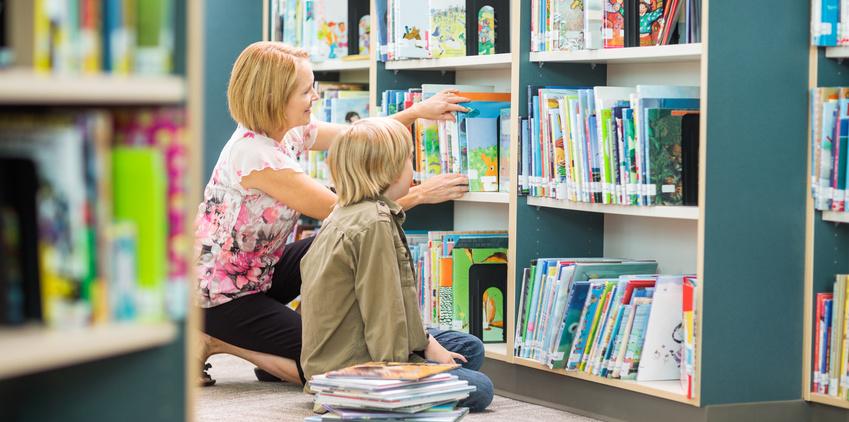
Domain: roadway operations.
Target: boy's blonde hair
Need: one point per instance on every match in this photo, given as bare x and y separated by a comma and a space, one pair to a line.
262, 80
367, 157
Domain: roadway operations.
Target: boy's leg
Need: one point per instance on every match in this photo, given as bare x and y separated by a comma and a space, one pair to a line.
465, 344
479, 399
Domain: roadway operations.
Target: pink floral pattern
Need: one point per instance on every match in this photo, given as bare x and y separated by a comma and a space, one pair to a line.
241, 233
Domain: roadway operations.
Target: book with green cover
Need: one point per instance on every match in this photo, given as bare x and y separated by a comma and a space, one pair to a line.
464, 259
139, 196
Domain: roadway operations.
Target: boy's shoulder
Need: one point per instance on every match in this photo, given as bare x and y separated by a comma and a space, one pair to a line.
356, 217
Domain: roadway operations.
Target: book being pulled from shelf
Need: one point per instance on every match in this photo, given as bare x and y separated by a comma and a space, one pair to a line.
327, 29
442, 28
611, 145
561, 25
594, 316
94, 36
831, 351
390, 391
462, 279
93, 209
476, 144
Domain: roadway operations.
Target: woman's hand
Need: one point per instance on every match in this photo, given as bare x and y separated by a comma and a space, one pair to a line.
445, 187
436, 353
438, 107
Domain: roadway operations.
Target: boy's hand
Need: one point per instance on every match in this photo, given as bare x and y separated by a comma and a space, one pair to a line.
435, 352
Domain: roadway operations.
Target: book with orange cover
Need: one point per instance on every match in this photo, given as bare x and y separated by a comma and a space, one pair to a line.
392, 370
486, 96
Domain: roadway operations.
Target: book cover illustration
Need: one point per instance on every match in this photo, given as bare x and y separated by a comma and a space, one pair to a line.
364, 34
333, 28
482, 138
412, 30
614, 24
486, 31
448, 28
651, 12
464, 260
664, 336
664, 128
504, 151
568, 22
392, 370
493, 315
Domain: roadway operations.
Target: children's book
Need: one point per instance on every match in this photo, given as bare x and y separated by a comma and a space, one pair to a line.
404, 371
332, 31
663, 347
464, 258
483, 165
504, 150
614, 24
448, 28
411, 29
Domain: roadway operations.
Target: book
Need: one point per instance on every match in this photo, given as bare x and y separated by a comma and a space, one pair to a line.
448, 28
404, 371
464, 260
662, 351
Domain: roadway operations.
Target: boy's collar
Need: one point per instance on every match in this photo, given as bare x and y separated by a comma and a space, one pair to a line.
393, 206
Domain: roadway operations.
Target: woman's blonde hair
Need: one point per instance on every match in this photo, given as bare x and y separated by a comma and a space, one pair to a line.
367, 157
262, 80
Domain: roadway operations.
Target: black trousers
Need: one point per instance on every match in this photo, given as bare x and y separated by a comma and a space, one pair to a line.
262, 322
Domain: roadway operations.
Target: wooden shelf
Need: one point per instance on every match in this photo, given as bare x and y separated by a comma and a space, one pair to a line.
493, 61
490, 197
654, 54
498, 351
35, 349
669, 390
829, 400
837, 52
681, 213
338, 65
835, 217
27, 87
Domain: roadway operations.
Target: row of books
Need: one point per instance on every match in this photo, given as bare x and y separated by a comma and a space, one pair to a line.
611, 145
390, 392
829, 20
91, 36
476, 144
462, 279
93, 216
831, 349
829, 147
338, 103
592, 315
560, 25
327, 29
442, 28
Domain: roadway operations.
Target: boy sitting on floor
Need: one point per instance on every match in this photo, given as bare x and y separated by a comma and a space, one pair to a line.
359, 294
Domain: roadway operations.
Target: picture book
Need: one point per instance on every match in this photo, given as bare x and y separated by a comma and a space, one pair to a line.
614, 24
391, 371
567, 28
663, 346
586, 324
411, 22
482, 153
463, 261
332, 28
651, 22
448, 28
633, 352
504, 150
574, 308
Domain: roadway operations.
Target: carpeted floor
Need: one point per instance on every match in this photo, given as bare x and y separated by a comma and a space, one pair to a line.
237, 396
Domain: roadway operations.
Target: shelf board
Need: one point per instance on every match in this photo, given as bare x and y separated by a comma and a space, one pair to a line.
681, 213
497, 351
654, 54
490, 197
669, 390
28, 87
338, 65
835, 217
837, 52
34, 349
492, 61
829, 400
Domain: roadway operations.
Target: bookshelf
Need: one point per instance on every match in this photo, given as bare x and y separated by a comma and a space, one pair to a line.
835, 217
37, 349
19, 87
655, 54
681, 213
99, 370
493, 61
725, 240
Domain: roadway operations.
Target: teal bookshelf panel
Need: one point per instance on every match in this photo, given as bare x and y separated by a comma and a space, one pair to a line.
754, 201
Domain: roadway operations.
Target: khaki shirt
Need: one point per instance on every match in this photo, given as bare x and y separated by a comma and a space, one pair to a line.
359, 294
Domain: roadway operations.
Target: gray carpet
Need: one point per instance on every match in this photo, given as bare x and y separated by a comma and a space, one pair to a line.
237, 396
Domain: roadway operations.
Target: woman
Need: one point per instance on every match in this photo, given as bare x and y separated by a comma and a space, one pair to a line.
246, 273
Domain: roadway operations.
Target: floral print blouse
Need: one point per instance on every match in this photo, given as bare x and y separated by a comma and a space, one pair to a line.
241, 232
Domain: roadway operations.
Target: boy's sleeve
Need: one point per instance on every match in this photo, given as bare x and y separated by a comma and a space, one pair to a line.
378, 289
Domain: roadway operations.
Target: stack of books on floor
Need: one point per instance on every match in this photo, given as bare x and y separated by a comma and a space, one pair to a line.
599, 316
611, 145
390, 392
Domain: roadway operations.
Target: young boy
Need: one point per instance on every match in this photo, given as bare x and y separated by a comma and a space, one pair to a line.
359, 294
